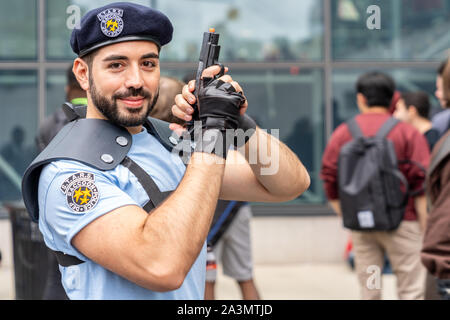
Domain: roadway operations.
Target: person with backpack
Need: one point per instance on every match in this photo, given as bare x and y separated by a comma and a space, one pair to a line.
436, 245
373, 174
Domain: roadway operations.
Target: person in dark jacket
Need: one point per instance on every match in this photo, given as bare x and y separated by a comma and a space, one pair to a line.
436, 244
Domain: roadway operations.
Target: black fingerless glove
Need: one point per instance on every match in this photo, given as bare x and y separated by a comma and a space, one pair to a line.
219, 106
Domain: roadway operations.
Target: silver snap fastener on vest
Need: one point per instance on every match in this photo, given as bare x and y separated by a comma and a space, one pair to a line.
173, 140
107, 158
122, 141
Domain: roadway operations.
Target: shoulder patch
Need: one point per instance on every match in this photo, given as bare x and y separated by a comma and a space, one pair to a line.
80, 191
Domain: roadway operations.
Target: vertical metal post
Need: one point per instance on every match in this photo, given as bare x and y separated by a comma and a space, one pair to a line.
41, 62
328, 85
397, 28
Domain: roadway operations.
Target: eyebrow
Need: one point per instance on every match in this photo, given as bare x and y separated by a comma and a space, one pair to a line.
119, 57
115, 57
150, 55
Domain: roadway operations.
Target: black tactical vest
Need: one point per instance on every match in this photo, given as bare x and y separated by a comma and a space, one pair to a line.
101, 145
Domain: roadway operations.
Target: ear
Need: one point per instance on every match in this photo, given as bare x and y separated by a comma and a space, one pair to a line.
361, 101
412, 110
81, 71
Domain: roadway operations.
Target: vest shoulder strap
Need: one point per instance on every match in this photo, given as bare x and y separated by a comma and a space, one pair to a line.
387, 127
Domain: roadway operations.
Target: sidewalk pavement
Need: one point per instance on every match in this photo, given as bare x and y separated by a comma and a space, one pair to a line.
275, 282
303, 282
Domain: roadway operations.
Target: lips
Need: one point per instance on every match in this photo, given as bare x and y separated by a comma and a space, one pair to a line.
133, 102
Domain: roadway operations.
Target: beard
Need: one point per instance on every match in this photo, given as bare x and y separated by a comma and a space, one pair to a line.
131, 117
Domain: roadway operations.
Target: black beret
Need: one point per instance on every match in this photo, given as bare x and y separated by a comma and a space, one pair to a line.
119, 22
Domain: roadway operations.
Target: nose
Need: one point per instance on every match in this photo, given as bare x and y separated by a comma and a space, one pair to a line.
134, 78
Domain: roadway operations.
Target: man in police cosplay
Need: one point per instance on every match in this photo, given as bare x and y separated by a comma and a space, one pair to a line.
126, 217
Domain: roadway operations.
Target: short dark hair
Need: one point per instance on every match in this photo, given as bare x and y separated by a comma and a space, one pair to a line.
418, 99
377, 87
89, 58
441, 68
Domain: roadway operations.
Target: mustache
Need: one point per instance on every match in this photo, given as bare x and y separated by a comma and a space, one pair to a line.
132, 92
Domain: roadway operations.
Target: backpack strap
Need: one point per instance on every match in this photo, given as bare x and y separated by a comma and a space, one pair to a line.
354, 128
387, 127
224, 220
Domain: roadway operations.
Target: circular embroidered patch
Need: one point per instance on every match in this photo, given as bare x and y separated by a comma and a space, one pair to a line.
80, 191
111, 22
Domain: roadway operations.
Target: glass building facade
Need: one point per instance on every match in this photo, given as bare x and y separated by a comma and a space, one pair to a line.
296, 60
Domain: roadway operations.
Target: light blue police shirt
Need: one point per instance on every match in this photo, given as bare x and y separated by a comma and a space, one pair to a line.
71, 195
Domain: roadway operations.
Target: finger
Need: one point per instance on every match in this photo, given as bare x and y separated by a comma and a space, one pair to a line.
178, 129
236, 86
226, 78
244, 105
210, 72
191, 85
187, 94
243, 108
181, 110
184, 105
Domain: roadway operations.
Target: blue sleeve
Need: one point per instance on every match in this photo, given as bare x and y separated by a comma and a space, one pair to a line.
441, 121
71, 196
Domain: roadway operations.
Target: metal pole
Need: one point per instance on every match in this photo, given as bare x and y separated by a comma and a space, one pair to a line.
328, 85
41, 60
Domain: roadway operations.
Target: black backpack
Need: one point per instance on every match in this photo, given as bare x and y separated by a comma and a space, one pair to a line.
373, 192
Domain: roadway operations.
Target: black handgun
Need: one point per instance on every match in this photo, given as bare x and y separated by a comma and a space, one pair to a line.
209, 55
